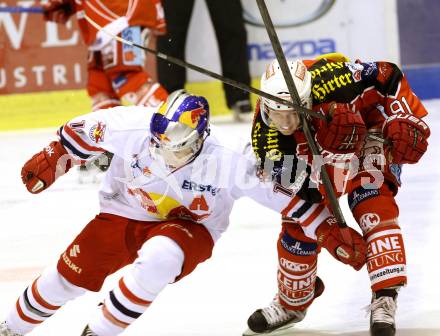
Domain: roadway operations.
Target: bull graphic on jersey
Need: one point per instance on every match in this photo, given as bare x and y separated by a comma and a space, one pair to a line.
166, 207
97, 132
146, 201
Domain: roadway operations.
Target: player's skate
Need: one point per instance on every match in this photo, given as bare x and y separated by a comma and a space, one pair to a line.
88, 332
383, 308
5, 331
275, 319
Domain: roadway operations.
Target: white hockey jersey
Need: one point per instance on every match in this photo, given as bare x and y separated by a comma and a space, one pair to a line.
137, 187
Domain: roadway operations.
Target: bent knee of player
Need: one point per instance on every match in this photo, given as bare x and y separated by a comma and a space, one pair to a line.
373, 209
159, 263
55, 289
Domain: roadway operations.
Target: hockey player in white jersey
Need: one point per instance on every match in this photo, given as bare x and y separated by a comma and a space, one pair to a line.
164, 202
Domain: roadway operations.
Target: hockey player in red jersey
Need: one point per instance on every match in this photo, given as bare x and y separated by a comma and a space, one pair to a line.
374, 95
164, 202
116, 72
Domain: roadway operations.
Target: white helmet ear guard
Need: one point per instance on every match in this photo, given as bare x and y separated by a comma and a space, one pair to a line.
273, 82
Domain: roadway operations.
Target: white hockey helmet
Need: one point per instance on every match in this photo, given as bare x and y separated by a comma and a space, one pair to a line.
179, 128
273, 82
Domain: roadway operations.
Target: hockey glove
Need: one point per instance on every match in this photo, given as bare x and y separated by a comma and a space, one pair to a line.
408, 135
344, 133
58, 11
330, 237
45, 167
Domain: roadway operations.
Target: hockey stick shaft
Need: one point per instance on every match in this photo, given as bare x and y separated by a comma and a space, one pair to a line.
214, 75
242, 86
276, 45
32, 10
176, 61
209, 73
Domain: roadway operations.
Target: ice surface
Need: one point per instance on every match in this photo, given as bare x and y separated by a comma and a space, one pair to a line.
240, 277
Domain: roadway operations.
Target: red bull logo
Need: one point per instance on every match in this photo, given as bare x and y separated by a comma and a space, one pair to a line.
196, 114
164, 207
191, 118
97, 132
145, 199
146, 171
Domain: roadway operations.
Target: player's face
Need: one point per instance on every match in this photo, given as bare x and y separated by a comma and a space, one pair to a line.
177, 158
285, 121
171, 157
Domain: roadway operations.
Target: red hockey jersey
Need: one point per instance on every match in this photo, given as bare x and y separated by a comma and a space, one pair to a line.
144, 13
377, 90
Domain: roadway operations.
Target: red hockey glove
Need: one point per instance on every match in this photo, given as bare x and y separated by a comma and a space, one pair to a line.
344, 133
45, 167
58, 11
329, 236
408, 134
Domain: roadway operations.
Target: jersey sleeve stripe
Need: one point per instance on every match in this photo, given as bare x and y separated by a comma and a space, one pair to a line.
67, 139
295, 200
81, 143
70, 148
313, 215
303, 209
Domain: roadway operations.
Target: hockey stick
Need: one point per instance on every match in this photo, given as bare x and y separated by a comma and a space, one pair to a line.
209, 73
184, 64
306, 128
221, 78
178, 62
32, 10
